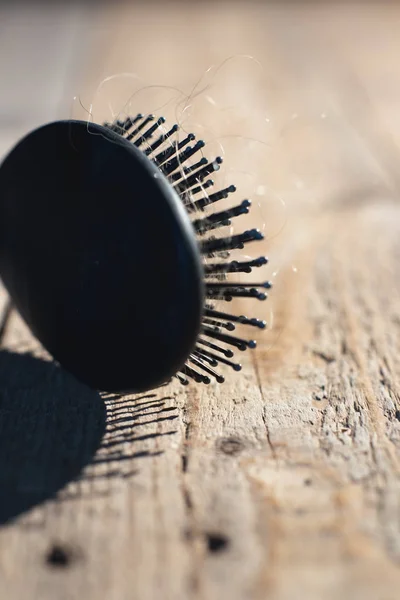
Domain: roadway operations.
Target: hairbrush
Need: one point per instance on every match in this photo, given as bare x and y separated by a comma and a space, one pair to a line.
110, 254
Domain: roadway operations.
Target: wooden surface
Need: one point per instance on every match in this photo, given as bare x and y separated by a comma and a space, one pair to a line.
283, 483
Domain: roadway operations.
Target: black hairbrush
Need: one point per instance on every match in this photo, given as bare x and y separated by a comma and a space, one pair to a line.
100, 257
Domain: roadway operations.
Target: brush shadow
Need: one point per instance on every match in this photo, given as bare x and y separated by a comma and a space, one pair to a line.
51, 426
126, 432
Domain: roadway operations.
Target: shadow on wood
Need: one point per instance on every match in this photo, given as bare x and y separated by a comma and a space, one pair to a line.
125, 426
50, 428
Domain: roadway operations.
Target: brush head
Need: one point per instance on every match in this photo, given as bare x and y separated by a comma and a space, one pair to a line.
99, 256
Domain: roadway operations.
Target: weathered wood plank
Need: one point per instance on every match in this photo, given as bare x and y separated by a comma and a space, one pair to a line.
284, 482
43, 53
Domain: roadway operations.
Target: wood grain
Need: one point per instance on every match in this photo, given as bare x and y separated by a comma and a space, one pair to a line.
284, 482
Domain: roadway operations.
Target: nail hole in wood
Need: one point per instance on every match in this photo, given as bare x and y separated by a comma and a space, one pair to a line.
217, 542
59, 557
230, 445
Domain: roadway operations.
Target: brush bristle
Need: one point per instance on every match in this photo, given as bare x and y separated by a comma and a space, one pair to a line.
191, 184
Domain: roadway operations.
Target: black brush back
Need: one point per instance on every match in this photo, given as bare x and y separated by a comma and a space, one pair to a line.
99, 256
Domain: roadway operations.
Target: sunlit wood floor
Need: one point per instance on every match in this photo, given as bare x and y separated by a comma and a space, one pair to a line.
283, 483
